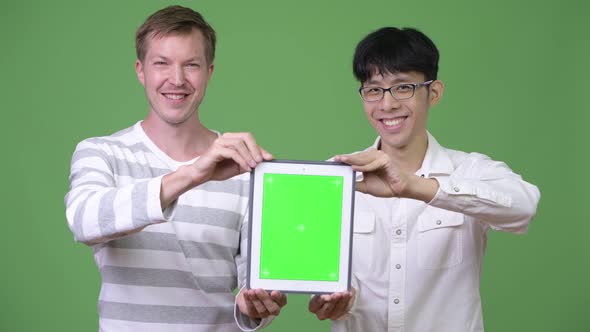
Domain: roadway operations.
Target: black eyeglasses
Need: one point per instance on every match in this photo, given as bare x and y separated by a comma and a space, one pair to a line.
398, 91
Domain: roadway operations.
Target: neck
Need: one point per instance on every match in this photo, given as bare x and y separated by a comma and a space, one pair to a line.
408, 157
181, 142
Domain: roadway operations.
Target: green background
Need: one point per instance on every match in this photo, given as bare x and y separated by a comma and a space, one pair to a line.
300, 235
516, 75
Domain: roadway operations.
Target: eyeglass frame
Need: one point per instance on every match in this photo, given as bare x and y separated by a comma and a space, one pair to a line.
414, 86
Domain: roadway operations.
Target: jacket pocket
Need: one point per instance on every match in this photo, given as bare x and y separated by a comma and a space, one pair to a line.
440, 238
362, 241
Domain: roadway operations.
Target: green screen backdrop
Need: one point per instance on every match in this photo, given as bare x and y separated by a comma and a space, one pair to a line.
516, 80
300, 233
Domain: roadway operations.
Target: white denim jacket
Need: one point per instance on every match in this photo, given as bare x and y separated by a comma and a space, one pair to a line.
417, 266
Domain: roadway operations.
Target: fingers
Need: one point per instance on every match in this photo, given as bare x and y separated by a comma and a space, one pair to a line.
326, 309
247, 306
260, 304
246, 145
245, 155
279, 298
255, 307
330, 306
341, 307
266, 155
375, 164
239, 147
360, 158
366, 161
315, 304
270, 306
228, 153
249, 148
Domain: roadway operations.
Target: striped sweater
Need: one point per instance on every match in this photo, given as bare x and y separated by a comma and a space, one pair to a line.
171, 270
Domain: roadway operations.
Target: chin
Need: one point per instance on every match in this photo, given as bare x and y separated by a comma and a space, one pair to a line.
397, 142
173, 120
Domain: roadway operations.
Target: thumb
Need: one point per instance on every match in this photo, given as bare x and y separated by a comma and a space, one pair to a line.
362, 187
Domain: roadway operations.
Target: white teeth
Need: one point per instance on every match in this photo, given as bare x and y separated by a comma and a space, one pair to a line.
173, 96
392, 122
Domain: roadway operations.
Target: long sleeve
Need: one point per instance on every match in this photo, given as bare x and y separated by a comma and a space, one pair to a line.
490, 192
99, 207
244, 322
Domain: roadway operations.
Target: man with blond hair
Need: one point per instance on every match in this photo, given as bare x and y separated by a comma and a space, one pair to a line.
163, 202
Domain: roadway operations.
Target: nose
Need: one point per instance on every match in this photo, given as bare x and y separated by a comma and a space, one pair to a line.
177, 76
389, 103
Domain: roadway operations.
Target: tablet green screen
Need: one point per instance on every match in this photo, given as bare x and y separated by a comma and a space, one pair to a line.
301, 221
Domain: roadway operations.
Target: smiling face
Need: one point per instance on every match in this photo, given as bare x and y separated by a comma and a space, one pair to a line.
175, 73
401, 124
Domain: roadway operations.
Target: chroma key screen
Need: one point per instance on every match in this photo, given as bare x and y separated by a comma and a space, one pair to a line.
301, 221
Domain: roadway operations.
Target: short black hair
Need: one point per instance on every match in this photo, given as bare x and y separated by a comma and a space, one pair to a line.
393, 50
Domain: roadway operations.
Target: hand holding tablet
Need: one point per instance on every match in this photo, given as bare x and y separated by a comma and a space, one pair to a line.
258, 303
333, 306
301, 226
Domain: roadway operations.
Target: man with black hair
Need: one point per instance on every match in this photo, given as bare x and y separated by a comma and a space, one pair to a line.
423, 211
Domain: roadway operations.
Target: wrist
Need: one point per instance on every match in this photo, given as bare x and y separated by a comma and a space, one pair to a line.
175, 184
423, 189
193, 176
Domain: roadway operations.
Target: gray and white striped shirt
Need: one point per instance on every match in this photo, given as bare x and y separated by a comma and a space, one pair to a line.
161, 270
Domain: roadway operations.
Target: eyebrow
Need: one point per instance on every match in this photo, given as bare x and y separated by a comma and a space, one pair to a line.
196, 58
397, 80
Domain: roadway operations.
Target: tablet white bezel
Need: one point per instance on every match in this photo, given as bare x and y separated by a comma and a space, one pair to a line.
255, 225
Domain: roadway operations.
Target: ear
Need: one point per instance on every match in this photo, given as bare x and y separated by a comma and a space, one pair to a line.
436, 92
211, 67
139, 72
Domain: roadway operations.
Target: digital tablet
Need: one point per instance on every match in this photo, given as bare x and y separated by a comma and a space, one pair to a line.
300, 227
